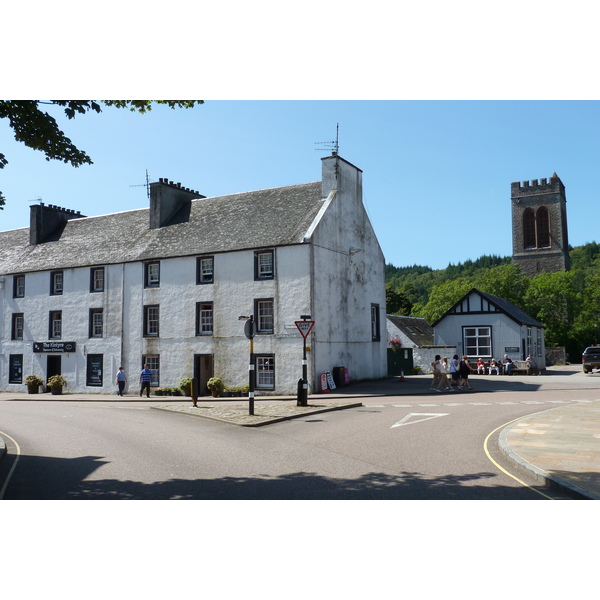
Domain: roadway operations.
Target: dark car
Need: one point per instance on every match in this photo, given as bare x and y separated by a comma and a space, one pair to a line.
590, 359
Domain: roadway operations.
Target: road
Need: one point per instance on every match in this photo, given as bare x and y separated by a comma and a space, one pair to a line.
394, 447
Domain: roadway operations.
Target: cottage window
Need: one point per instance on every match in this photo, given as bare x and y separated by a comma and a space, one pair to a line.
96, 322
204, 318
477, 341
153, 362
55, 332
151, 316
264, 264
205, 269
97, 279
264, 315
17, 326
19, 286
56, 283
265, 372
152, 274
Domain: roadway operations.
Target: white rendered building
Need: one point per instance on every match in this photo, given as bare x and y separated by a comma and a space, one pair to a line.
167, 285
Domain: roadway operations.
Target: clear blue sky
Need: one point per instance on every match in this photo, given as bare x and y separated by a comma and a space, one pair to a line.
436, 174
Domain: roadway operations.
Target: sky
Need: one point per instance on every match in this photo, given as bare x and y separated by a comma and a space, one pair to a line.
436, 173
442, 105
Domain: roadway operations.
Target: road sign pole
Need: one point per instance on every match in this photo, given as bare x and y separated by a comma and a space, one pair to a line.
304, 327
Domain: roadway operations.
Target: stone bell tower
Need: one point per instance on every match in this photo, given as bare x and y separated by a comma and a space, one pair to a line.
539, 226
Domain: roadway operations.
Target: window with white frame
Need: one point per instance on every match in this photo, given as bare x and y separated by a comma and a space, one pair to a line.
264, 264
205, 269
19, 286
477, 341
56, 283
153, 362
204, 318
264, 315
97, 279
17, 326
265, 372
55, 332
151, 317
152, 274
538, 350
96, 322
529, 340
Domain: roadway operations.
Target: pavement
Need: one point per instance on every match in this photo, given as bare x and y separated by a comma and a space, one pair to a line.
560, 447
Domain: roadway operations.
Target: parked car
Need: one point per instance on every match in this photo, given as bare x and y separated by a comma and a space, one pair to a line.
590, 359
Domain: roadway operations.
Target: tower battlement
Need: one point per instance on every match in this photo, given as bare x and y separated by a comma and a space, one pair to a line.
543, 186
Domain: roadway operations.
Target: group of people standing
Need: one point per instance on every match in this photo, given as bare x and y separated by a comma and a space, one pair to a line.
458, 370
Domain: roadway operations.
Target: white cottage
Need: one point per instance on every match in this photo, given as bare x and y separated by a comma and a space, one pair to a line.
166, 286
482, 325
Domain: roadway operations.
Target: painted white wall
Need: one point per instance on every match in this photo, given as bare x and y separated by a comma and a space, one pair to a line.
348, 273
321, 277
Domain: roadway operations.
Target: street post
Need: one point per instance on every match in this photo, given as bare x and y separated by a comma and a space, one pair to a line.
304, 327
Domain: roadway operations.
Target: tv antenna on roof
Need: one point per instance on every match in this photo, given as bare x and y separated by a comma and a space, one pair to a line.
334, 145
146, 185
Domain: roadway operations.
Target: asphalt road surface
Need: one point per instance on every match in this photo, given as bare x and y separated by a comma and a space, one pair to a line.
403, 447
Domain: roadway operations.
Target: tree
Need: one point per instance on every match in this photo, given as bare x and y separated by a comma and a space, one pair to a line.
442, 298
39, 130
396, 303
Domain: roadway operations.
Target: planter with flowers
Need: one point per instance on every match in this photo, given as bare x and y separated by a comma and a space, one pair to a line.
33, 383
396, 344
56, 384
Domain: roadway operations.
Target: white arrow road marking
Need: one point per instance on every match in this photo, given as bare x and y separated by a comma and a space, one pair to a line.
428, 416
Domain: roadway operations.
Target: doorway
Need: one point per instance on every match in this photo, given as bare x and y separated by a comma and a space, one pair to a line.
53, 367
203, 371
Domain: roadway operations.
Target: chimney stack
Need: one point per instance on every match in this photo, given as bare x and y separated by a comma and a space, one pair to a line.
170, 203
48, 221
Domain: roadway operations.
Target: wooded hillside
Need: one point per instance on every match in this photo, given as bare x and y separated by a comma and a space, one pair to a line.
567, 302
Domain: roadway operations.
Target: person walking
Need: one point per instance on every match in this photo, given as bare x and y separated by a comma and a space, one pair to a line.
121, 380
437, 373
145, 377
444, 384
454, 375
464, 369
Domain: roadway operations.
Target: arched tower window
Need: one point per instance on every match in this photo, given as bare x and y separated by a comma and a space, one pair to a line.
543, 227
529, 240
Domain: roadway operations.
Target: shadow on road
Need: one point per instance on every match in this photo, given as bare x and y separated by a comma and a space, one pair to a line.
48, 478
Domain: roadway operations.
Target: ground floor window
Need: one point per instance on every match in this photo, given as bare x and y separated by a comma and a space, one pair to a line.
477, 341
265, 372
94, 375
153, 362
15, 368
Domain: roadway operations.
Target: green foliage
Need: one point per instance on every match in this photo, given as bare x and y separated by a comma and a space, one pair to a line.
396, 303
566, 303
38, 130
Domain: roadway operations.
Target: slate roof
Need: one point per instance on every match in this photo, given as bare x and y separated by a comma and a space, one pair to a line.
508, 308
264, 218
415, 328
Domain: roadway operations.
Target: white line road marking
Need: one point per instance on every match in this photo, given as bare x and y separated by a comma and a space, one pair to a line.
427, 416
